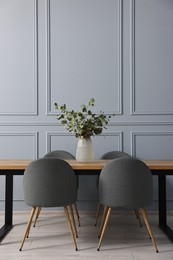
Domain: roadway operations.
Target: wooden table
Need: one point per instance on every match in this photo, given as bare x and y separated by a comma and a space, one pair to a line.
9, 168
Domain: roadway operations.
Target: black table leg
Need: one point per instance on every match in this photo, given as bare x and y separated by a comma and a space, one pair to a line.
9, 200
162, 206
162, 200
8, 207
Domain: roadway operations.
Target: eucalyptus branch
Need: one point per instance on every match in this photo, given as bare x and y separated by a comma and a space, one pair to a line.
84, 123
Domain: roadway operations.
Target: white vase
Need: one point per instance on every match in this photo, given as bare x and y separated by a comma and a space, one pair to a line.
84, 152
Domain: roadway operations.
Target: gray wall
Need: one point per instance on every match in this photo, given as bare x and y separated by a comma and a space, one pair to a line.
66, 51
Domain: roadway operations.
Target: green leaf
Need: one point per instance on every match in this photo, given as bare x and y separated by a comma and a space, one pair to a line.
84, 109
84, 123
64, 122
91, 102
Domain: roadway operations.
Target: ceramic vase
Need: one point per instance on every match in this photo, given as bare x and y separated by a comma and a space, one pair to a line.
84, 152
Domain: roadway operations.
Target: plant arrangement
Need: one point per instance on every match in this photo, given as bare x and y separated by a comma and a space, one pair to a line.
84, 123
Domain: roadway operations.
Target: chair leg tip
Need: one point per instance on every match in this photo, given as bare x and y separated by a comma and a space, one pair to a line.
76, 249
20, 249
157, 251
98, 249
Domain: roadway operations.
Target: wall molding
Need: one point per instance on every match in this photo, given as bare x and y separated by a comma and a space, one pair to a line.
134, 134
55, 133
124, 123
120, 57
33, 134
119, 134
35, 70
48, 61
133, 110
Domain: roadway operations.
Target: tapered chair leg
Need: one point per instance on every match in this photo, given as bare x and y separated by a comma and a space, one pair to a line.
104, 227
37, 215
28, 227
70, 226
39, 210
138, 216
144, 214
77, 214
73, 220
102, 221
97, 213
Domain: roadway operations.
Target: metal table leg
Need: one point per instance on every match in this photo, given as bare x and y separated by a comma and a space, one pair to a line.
8, 206
162, 206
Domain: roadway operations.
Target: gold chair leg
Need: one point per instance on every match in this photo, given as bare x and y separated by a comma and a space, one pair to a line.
146, 226
102, 221
97, 213
70, 226
104, 227
73, 220
28, 227
144, 214
37, 215
77, 214
138, 216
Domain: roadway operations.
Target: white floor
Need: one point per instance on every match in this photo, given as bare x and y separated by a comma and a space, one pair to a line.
51, 239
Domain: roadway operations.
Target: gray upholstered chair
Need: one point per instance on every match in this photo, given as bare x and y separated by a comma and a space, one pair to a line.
61, 154
109, 156
114, 155
64, 155
125, 183
50, 183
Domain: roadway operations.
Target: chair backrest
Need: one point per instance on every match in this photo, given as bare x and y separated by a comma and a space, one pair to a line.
61, 154
114, 155
49, 182
126, 183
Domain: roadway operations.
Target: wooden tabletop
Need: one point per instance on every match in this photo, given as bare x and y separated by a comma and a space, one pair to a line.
159, 164
14, 164
94, 165
22, 164
99, 164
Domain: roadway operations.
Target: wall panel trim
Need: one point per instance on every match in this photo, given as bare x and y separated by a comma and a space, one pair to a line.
124, 123
33, 134
35, 70
133, 110
119, 134
133, 136
48, 61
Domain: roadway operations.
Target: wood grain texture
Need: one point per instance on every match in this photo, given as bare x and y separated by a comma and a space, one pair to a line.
94, 165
